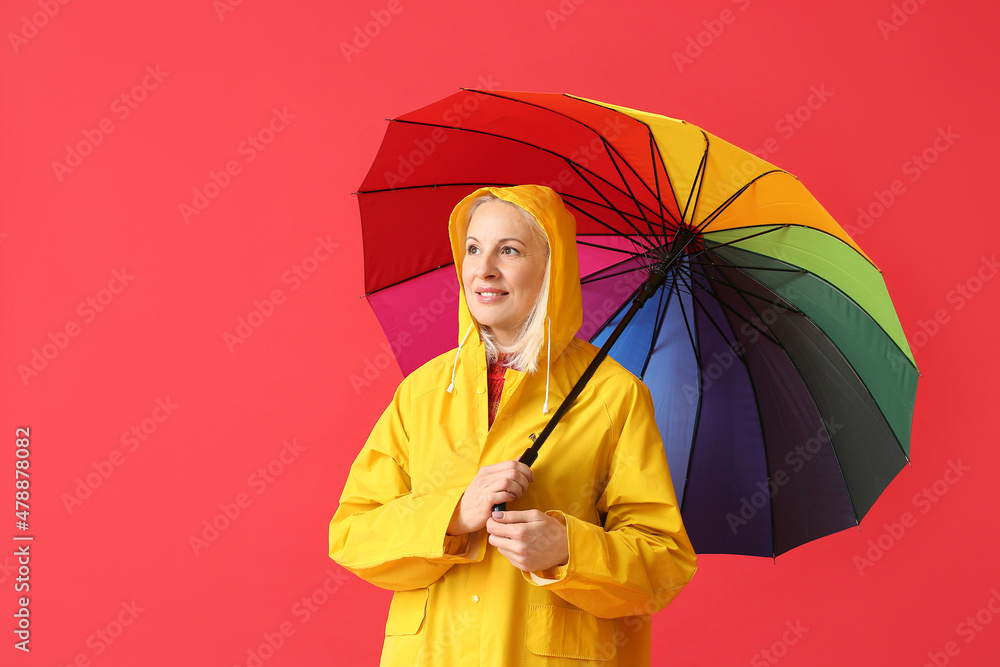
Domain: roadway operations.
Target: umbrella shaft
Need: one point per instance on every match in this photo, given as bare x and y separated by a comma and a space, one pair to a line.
657, 276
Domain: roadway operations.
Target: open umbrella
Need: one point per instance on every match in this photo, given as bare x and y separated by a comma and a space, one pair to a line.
782, 381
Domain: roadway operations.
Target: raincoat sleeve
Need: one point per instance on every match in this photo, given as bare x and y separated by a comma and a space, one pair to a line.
384, 530
641, 557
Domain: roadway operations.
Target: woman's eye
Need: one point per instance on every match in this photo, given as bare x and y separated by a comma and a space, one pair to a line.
471, 250
508, 250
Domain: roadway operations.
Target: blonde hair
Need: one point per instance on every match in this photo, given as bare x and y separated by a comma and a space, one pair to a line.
525, 350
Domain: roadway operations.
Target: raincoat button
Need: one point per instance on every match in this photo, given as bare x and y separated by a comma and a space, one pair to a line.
475, 598
479, 390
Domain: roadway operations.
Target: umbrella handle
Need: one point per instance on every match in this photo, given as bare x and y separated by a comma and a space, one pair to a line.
529, 456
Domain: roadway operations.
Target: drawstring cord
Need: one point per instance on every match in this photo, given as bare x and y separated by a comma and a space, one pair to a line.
548, 367
454, 366
548, 363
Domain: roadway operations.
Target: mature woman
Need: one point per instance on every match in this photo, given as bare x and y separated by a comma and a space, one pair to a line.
591, 543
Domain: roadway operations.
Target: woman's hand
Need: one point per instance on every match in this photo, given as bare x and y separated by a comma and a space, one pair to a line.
531, 540
493, 484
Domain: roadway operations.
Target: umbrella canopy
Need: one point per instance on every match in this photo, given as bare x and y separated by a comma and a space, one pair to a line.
782, 380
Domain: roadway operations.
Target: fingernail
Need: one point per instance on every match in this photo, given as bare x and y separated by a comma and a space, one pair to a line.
498, 515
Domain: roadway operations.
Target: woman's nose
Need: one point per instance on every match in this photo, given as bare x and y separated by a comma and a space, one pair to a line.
487, 269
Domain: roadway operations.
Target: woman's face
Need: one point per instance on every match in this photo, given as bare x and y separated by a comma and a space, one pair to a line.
503, 268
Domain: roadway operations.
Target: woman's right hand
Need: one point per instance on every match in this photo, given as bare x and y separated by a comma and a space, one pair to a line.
494, 484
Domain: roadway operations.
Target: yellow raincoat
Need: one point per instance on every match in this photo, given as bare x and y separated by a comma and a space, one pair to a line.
603, 473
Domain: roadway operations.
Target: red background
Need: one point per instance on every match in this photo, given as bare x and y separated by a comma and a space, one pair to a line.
890, 90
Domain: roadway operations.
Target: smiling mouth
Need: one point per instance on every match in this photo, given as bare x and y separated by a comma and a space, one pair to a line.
490, 296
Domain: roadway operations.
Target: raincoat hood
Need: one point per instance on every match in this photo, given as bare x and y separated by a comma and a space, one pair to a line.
564, 308
458, 600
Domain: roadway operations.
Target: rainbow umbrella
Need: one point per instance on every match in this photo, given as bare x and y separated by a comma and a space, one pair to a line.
782, 380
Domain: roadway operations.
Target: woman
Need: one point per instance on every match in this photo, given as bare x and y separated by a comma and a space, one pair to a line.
592, 541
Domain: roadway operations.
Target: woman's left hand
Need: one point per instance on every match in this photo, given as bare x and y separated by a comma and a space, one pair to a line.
530, 539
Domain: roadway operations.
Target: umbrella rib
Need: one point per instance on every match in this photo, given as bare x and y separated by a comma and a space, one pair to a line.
593, 277
689, 324
763, 440
567, 196
406, 280
605, 247
579, 173
655, 158
653, 148
608, 147
812, 402
770, 335
661, 316
842, 356
763, 433
847, 361
628, 187
575, 120
574, 165
818, 277
764, 333
622, 306
767, 334
700, 176
754, 268
745, 292
433, 186
569, 161
638, 257
612, 151
696, 186
709, 219
743, 238
629, 237
734, 344
776, 304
